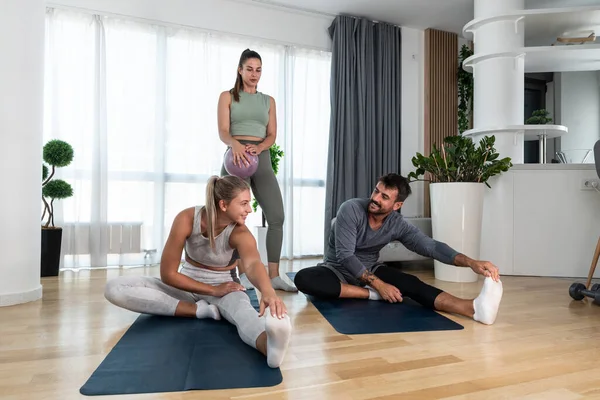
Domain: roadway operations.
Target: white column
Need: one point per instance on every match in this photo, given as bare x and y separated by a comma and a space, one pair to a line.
499, 81
499, 101
21, 120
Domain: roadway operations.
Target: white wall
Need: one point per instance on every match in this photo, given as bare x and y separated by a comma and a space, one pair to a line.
237, 17
555, 222
580, 109
21, 110
413, 45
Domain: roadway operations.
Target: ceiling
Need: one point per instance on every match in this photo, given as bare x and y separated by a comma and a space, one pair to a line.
448, 15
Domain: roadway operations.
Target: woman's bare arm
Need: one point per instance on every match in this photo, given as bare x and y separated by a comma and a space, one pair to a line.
242, 240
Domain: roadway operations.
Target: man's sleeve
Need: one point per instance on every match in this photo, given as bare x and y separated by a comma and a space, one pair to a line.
415, 240
346, 228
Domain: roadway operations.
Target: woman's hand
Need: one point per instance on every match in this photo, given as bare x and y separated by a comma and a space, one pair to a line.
239, 154
274, 303
226, 288
254, 149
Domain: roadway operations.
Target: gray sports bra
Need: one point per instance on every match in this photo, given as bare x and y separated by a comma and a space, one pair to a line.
197, 246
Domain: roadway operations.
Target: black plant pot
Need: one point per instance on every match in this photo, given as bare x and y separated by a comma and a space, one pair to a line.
51, 243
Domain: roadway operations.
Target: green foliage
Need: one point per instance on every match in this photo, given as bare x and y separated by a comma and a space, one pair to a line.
465, 90
276, 155
458, 160
57, 154
539, 117
57, 189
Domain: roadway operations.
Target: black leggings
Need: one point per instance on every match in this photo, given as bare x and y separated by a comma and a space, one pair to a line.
321, 282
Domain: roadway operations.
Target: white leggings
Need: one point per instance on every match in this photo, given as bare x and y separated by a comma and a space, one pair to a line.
150, 295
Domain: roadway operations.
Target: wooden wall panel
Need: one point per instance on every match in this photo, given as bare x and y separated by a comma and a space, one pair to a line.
441, 91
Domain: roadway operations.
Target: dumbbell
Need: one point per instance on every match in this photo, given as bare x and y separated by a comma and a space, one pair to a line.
578, 292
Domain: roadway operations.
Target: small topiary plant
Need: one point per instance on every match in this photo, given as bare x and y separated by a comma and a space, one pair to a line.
56, 154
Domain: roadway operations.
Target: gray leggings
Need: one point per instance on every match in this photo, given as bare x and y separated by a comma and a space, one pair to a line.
149, 295
266, 190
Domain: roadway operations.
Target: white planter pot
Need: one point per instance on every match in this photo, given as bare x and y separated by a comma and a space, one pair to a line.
260, 234
456, 215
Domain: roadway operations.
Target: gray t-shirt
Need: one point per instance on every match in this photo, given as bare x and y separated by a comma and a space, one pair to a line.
355, 247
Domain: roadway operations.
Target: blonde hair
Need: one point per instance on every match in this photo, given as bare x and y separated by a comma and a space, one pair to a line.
217, 189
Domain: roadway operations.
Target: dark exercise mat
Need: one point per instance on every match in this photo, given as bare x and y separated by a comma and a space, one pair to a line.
169, 354
358, 316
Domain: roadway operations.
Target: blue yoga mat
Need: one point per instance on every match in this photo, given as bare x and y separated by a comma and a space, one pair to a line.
357, 316
167, 354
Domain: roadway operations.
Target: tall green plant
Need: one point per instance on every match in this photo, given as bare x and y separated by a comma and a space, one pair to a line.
56, 154
458, 160
465, 91
276, 155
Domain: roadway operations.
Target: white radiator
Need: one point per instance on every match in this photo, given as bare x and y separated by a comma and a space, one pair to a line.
119, 238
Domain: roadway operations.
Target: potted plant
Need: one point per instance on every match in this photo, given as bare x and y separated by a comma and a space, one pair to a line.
458, 171
56, 154
539, 117
261, 231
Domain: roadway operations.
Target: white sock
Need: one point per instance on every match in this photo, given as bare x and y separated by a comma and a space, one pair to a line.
279, 332
487, 303
374, 294
205, 310
279, 283
245, 282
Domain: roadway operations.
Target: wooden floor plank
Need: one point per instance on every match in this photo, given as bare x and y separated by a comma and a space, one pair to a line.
543, 346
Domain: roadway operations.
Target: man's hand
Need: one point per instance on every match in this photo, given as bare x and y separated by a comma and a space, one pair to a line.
226, 288
484, 268
275, 304
389, 292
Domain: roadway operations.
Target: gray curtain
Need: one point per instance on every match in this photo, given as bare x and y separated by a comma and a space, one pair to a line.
364, 136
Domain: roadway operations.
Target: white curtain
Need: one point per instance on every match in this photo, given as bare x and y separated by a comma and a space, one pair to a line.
138, 102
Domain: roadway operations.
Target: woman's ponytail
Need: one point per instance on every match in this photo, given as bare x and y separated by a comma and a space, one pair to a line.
211, 209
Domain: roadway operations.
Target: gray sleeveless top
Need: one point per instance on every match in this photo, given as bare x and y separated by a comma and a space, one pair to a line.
197, 246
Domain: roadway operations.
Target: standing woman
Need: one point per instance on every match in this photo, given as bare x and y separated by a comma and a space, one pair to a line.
248, 123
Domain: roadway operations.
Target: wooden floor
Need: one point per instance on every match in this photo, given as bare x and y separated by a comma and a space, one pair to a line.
543, 346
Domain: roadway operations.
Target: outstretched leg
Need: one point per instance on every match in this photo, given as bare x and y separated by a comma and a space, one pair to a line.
267, 334
483, 309
149, 295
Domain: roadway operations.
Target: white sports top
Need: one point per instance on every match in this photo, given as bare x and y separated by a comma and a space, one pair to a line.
197, 246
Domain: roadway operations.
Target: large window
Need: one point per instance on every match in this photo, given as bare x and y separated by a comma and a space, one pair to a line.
138, 102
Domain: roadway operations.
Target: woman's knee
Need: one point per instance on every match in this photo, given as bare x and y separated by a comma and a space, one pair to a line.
113, 291
274, 215
235, 305
117, 290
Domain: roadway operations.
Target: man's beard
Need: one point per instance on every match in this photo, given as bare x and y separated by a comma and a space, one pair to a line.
379, 210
